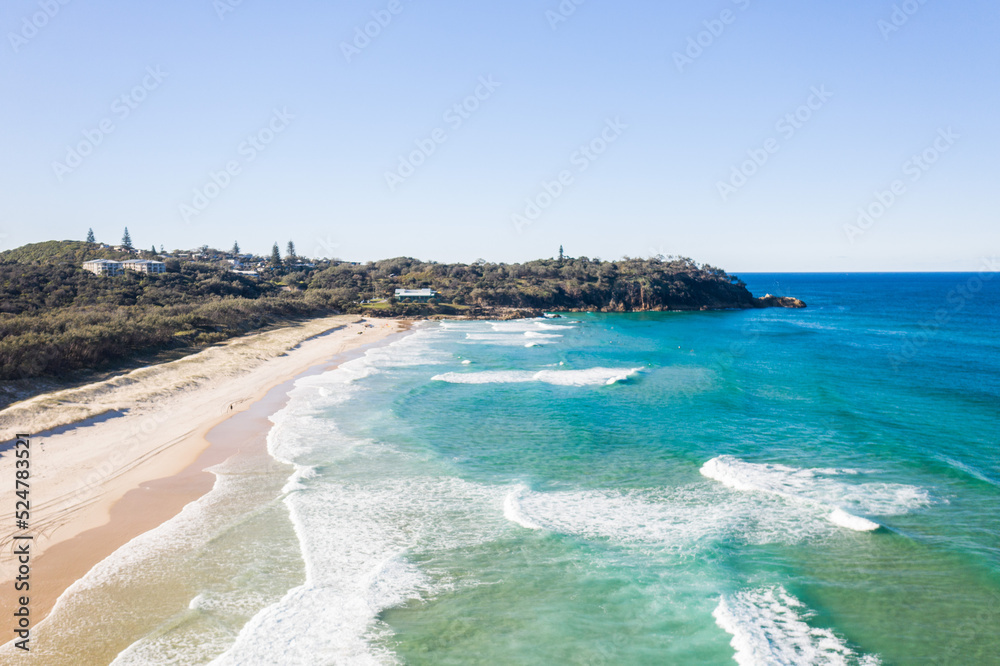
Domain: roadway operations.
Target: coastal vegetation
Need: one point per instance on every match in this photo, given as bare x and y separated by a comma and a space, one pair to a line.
56, 318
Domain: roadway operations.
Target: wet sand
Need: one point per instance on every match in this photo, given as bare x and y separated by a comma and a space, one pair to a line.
96, 484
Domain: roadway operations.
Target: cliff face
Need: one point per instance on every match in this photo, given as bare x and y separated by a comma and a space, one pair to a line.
679, 291
567, 283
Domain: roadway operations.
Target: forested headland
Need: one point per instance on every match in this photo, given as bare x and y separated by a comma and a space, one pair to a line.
56, 318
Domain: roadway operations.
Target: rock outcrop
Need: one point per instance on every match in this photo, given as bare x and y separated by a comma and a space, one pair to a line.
769, 301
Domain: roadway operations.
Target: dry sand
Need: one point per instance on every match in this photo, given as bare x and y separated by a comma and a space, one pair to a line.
114, 459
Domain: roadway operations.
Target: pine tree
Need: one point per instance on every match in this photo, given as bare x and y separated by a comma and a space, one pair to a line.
275, 255
560, 254
161, 249
236, 248
126, 240
291, 250
152, 249
90, 236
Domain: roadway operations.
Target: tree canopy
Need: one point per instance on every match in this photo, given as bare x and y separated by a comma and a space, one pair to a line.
56, 318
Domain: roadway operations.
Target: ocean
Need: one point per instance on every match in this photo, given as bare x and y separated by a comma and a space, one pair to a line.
816, 486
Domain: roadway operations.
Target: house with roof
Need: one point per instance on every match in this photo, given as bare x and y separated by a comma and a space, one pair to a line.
104, 267
144, 266
415, 295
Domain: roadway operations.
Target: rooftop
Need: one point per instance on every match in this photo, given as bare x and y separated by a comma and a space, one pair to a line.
415, 292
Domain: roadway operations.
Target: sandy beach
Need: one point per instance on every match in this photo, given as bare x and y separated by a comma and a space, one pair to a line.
113, 459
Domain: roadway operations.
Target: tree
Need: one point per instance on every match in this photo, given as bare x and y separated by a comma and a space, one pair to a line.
90, 236
560, 254
275, 256
236, 248
126, 240
152, 249
291, 250
161, 249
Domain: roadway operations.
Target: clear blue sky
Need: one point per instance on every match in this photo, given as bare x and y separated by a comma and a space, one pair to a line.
678, 131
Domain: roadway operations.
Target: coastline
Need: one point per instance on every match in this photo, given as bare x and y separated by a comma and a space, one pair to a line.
114, 459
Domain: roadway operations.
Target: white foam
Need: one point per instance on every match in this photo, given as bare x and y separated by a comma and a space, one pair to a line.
587, 377
681, 521
769, 628
852, 522
355, 539
152, 558
522, 325
512, 509
506, 339
357, 530
465, 325
819, 489
315, 394
626, 518
197, 521
510, 333
295, 481
488, 377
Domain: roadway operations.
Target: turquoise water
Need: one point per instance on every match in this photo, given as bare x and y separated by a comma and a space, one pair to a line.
774, 486
813, 486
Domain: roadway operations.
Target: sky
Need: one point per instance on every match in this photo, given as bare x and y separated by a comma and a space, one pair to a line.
750, 135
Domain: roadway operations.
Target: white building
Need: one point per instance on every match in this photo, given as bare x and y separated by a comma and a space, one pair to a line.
144, 266
103, 267
417, 295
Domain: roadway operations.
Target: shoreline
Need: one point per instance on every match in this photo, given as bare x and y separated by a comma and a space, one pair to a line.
89, 497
